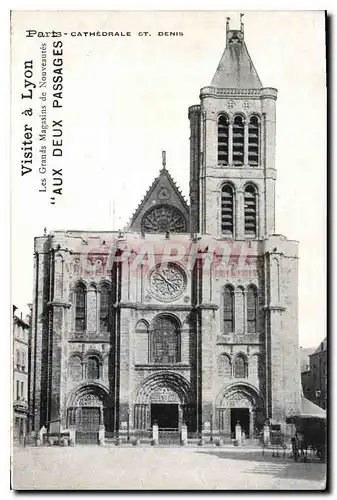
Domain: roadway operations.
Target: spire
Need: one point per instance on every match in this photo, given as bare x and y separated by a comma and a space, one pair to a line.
163, 159
236, 69
241, 23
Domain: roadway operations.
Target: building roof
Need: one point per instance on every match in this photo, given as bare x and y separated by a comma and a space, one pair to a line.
163, 190
322, 347
236, 69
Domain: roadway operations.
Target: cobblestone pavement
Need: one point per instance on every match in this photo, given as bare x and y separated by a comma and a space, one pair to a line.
91, 467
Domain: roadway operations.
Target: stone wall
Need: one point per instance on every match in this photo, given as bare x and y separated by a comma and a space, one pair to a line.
199, 311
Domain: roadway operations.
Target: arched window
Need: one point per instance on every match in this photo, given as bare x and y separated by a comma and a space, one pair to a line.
238, 141
92, 368
240, 367
223, 127
104, 309
224, 366
253, 141
227, 210
165, 341
75, 369
228, 298
250, 210
80, 308
142, 345
23, 361
251, 309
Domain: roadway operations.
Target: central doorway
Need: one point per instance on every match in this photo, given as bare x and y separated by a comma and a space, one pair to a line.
88, 425
165, 415
240, 415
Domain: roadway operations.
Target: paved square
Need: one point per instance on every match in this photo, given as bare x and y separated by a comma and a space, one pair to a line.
91, 467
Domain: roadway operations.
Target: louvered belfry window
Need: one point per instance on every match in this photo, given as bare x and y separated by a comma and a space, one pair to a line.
227, 210
251, 310
104, 309
253, 141
250, 211
80, 308
223, 128
228, 312
238, 141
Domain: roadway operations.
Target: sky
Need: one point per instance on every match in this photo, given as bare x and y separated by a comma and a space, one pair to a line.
125, 99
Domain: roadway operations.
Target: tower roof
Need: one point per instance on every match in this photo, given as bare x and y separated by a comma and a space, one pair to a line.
236, 69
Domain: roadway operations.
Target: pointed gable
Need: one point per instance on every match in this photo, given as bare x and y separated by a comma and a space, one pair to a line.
236, 69
162, 209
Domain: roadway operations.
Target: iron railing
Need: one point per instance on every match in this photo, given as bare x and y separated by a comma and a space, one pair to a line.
168, 436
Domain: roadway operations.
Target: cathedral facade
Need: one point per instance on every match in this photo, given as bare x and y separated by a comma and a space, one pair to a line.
190, 315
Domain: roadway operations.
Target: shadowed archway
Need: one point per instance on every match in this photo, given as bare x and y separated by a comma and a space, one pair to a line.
87, 409
240, 402
163, 393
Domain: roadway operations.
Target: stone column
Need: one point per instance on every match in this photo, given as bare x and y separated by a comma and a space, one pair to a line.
239, 214
251, 423
239, 311
268, 136
58, 366
125, 382
207, 351
230, 142
194, 117
92, 309
245, 324
98, 308
180, 417
245, 142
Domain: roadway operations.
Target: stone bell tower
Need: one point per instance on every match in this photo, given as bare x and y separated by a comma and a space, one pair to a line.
232, 149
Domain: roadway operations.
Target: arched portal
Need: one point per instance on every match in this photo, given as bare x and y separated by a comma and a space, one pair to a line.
88, 408
241, 403
163, 398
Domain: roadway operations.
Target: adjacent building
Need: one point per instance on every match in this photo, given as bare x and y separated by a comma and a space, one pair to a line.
21, 347
304, 358
190, 314
314, 378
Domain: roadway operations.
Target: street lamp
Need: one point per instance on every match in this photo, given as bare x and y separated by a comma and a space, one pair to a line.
211, 439
129, 412
60, 417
